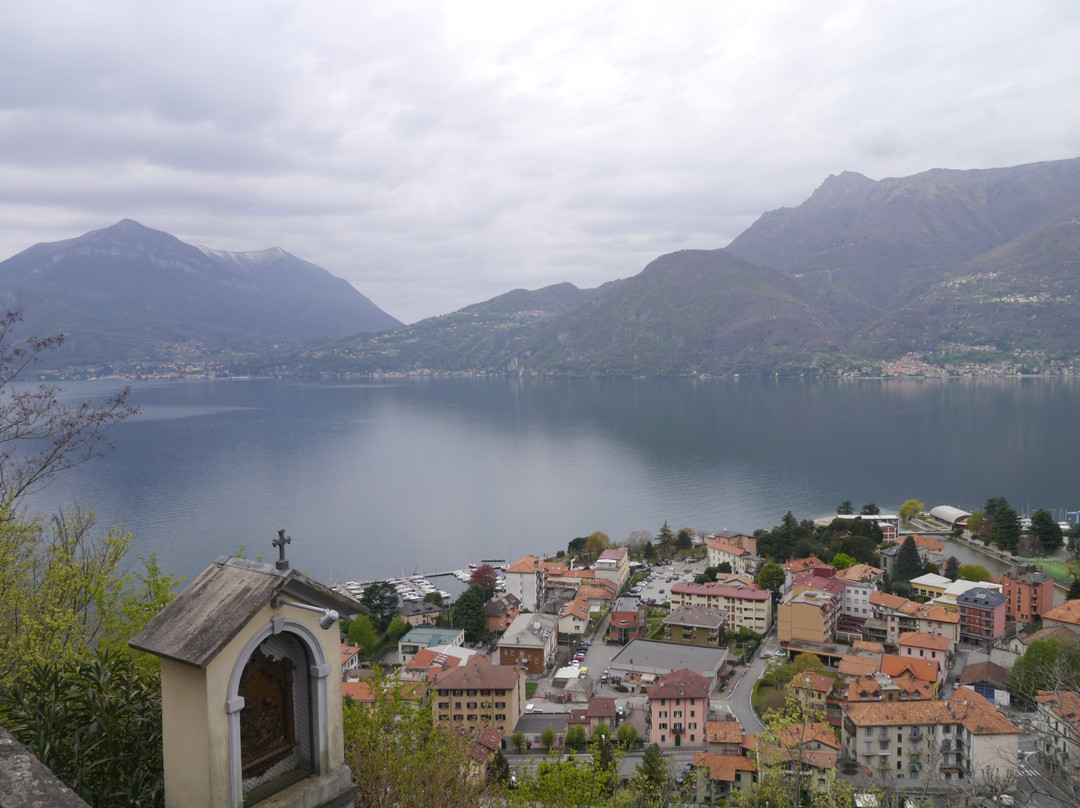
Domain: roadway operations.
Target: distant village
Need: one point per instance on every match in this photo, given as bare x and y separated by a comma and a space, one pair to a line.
908, 691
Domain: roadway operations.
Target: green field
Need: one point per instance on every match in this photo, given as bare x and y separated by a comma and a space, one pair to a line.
1055, 569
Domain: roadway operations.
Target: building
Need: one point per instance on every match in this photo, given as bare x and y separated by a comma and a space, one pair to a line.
797, 565
929, 586
809, 615
1029, 593
501, 611
629, 620
965, 739
735, 549
742, 606
920, 645
948, 515
525, 581
954, 590
982, 615
613, 565
1066, 615
694, 625
1057, 722
813, 689
989, 680
427, 637
678, 708
882, 687
479, 694
574, 618
419, 612
643, 662
530, 641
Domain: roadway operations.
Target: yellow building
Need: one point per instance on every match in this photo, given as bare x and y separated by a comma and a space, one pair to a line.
809, 616
480, 694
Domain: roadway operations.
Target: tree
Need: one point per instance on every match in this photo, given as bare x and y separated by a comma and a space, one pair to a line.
398, 756
842, 561
547, 738
1005, 528
576, 546
469, 614
63, 591
39, 436
362, 633
845, 507
486, 579
952, 568
1074, 541
666, 538
1045, 665
576, 737
648, 552
653, 766
434, 597
975, 522
596, 543
807, 661
975, 572
1047, 531
397, 629
771, 576
685, 539
96, 723
911, 508
382, 601
870, 509
1074, 590
626, 735
908, 564
992, 506
564, 783
518, 740
930, 568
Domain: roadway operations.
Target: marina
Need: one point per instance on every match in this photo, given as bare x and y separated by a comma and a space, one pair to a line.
414, 588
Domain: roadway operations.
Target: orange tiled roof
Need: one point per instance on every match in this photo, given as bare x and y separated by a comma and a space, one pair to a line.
924, 612
527, 564
813, 680
1065, 703
724, 768
723, 732
683, 683
920, 639
867, 646
859, 572
929, 542
425, 658
894, 602
1067, 612
851, 665
965, 707
800, 564
925, 670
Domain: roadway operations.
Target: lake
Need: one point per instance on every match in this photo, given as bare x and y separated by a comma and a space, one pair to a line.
376, 479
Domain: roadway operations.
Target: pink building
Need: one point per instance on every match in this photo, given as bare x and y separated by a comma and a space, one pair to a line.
982, 615
920, 645
678, 708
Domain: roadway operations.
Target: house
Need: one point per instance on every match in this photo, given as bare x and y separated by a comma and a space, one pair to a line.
479, 694
1028, 591
797, 565
1019, 643
810, 750
628, 620
501, 611
427, 662
350, 657
860, 573
600, 710
678, 708
920, 645
724, 737
954, 590
694, 625
574, 618
363, 691
426, 637
530, 641
929, 586
1067, 615
1057, 721
600, 594
812, 689
566, 577
743, 606
419, 612
982, 615
965, 739
927, 671
723, 775
525, 581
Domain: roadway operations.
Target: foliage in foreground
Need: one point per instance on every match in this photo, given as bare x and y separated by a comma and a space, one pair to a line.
96, 723
399, 757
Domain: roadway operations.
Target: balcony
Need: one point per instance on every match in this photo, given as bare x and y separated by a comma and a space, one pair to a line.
677, 728
915, 734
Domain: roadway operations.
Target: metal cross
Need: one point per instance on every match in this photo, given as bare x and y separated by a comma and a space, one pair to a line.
280, 543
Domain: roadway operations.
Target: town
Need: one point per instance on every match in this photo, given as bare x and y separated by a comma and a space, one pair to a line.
905, 678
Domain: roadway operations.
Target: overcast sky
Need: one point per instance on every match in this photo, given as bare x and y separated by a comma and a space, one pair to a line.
439, 154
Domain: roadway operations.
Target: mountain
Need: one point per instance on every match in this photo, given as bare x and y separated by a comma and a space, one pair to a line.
129, 294
866, 249
696, 311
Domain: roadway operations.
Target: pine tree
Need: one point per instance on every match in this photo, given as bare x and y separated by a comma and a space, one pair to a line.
952, 568
908, 565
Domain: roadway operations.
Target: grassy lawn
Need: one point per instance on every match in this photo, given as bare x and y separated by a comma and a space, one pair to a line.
1055, 569
530, 688
768, 698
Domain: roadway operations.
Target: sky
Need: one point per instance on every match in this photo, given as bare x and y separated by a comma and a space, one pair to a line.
437, 154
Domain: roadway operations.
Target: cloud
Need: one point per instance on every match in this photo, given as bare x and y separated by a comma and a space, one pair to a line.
436, 155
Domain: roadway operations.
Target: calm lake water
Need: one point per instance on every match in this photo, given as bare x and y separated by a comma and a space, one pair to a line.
383, 478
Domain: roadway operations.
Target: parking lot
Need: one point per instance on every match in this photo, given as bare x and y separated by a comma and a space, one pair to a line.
656, 588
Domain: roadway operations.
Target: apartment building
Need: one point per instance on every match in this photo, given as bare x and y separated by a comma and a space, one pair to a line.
1058, 740
808, 616
982, 615
525, 581
480, 694
694, 625
678, 708
1028, 591
742, 606
965, 739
